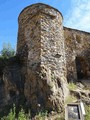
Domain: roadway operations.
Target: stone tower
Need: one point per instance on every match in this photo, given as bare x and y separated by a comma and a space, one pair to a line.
41, 49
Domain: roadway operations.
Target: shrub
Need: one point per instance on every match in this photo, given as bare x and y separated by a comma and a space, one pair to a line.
7, 51
11, 115
21, 115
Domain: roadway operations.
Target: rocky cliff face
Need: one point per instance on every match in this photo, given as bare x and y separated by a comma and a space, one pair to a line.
11, 82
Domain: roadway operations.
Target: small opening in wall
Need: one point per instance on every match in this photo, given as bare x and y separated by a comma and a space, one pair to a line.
80, 74
57, 55
82, 68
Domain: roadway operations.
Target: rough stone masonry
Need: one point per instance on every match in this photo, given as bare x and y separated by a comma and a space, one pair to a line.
41, 46
48, 56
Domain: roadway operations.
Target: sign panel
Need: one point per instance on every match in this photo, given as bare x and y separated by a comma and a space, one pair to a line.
73, 112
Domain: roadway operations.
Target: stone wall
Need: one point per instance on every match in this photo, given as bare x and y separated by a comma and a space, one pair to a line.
77, 45
41, 31
11, 83
48, 56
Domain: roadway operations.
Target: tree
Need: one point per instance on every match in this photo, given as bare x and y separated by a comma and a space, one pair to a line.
7, 51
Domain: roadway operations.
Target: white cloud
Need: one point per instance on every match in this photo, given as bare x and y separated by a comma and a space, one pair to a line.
78, 16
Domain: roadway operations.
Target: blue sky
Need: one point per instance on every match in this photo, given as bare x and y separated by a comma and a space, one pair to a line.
76, 15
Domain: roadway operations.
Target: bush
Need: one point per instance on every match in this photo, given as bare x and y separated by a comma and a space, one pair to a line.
11, 115
7, 51
21, 115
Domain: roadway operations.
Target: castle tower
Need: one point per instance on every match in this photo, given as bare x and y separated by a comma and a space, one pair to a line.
41, 48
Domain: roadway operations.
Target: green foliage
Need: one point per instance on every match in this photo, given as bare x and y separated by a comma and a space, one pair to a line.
7, 51
72, 86
60, 116
42, 115
70, 99
87, 117
11, 115
21, 116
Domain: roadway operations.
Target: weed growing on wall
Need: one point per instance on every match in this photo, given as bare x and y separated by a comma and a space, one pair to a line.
72, 86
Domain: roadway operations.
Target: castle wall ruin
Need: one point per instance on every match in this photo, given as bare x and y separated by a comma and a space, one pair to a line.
77, 46
49, 56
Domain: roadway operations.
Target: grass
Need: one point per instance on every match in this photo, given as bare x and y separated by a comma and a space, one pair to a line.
72, 86
41, 115
70, 99
12, 115
61, 117
87, 108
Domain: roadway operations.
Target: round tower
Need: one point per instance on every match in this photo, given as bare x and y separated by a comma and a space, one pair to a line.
41, 47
